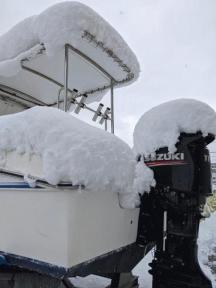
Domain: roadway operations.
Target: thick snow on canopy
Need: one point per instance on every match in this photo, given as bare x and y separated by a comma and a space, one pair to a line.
161, 126
62, 23
71, 150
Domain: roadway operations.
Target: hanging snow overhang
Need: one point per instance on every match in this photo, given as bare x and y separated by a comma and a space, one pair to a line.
67, 46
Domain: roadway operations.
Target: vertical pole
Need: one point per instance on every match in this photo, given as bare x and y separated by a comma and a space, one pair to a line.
112, 108
59, 94
66, 78
105, 124
164, 230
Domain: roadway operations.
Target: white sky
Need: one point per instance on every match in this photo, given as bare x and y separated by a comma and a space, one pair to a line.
175, 42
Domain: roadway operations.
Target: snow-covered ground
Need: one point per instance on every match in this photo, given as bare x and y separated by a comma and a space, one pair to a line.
207, 248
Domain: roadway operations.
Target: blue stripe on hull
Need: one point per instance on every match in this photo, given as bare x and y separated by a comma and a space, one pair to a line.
21, 185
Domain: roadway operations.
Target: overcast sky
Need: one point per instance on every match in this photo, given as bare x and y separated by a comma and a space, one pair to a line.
174, 40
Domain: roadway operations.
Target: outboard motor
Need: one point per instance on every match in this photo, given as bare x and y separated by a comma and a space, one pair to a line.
171, 212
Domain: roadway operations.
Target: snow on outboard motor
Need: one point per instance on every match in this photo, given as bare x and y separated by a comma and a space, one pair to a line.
171, 140
173, 209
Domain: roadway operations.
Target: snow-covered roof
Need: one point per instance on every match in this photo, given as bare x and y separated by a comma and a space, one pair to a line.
38, 42
70, 150
161, 126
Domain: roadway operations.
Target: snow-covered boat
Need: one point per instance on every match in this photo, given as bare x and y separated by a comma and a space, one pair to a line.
61, 223
69, 191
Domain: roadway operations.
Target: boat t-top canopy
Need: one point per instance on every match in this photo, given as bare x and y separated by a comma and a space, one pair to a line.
67, 54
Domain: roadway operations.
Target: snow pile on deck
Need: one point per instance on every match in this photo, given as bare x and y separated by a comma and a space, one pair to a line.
71, 150
161, 126
62, 23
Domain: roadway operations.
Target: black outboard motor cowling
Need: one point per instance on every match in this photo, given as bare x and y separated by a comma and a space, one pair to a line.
171, 212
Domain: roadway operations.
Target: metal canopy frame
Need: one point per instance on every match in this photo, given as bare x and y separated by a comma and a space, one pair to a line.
68, 48
64, 87
29, 101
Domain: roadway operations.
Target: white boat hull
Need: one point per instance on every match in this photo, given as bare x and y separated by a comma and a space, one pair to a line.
63, 227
